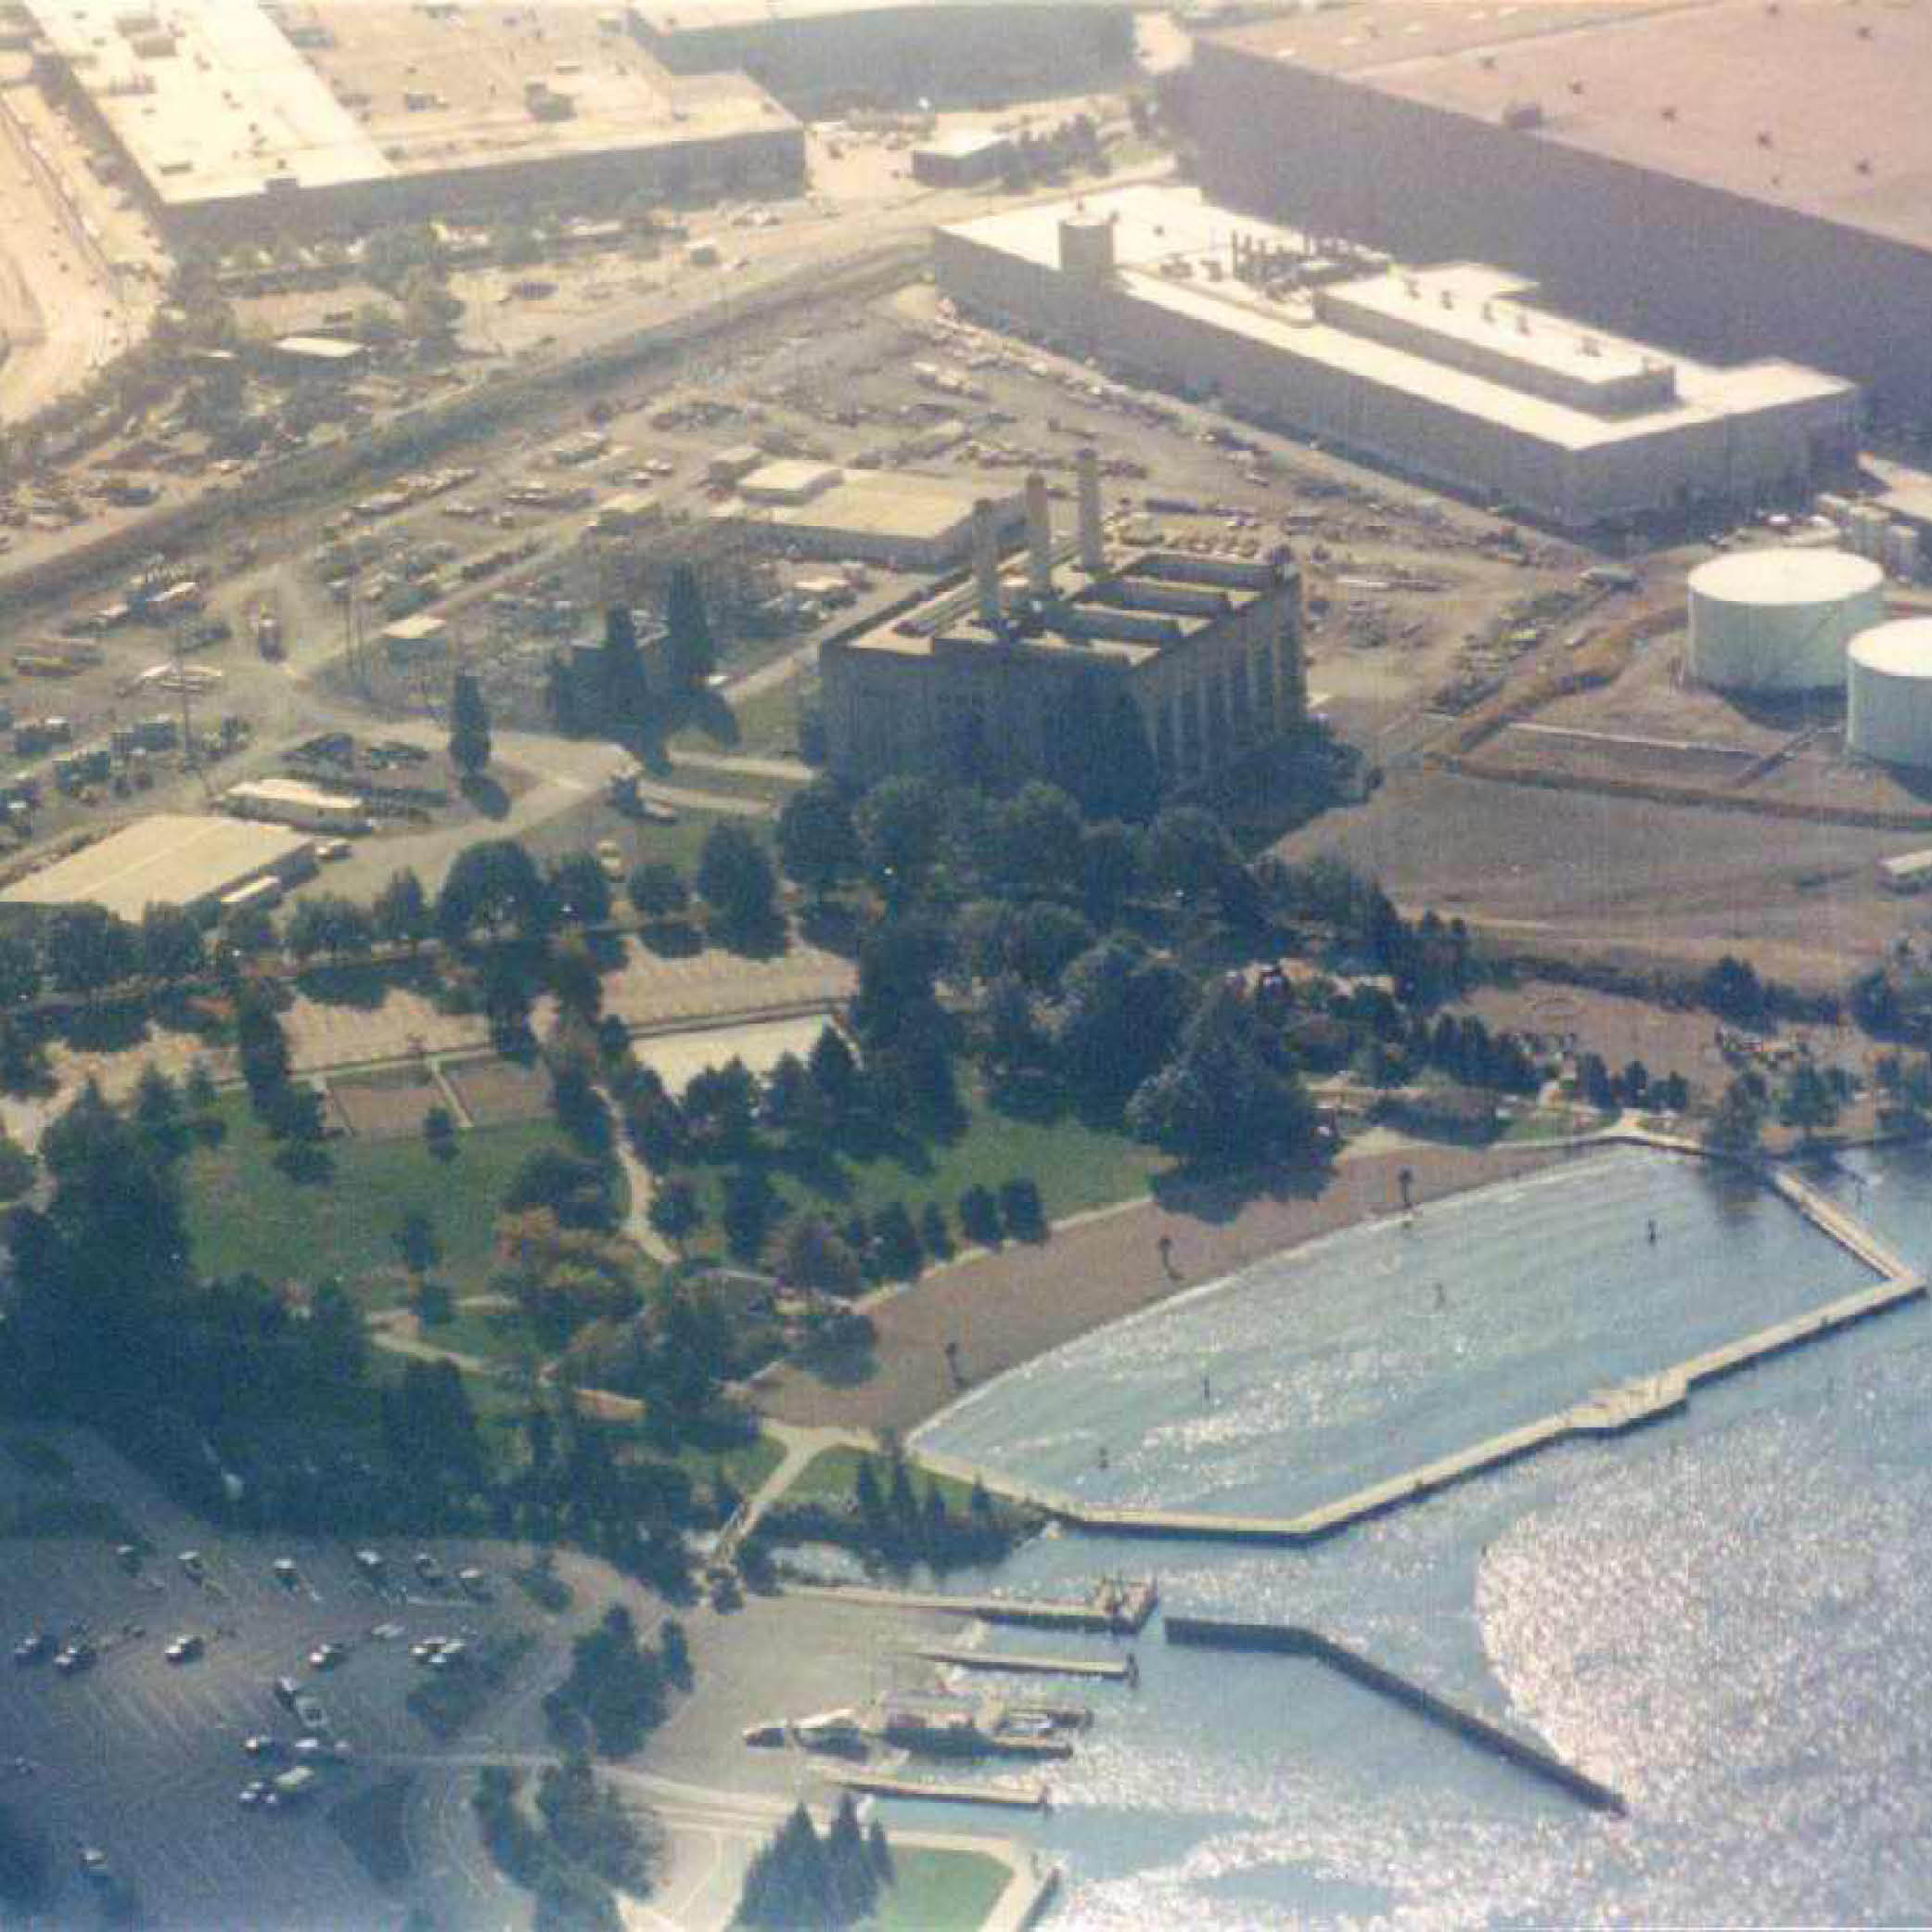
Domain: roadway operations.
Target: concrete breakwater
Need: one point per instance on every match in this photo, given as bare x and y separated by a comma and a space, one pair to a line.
1298, 1640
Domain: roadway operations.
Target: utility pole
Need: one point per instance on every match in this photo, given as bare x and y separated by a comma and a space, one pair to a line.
188, 751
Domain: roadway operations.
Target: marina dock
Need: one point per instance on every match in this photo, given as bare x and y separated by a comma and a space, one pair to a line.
1025, 1666
1117, 1608
1298, 1640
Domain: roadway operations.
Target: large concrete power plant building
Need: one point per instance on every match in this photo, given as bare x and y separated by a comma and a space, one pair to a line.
1099, 668
1454, 373
1737, 177
1773, 621
234, 119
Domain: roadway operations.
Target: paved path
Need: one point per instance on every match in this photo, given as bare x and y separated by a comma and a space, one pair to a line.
800, 1446
787, 770
637, 1220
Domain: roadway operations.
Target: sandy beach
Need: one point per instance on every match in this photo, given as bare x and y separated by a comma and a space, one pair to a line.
1004, 1309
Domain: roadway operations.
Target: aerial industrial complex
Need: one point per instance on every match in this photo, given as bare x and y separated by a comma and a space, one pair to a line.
1149, 664
195, 861
1730, 178
235, 118
1453, 373
821, 55
1200, 656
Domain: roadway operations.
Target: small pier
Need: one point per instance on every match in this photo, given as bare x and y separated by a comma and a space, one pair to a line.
1298, 1640
1117, 1607
1103, 1669
1012, 1797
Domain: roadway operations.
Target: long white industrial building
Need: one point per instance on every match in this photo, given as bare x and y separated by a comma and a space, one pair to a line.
1447, 373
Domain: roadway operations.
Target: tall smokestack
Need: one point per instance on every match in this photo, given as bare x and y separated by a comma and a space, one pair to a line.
1092, 545
1039, 538
986, 561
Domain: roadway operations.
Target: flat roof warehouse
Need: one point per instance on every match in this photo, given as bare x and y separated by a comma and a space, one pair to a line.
1449, 371
214, 104
1734, 177
1836, 92
183, 858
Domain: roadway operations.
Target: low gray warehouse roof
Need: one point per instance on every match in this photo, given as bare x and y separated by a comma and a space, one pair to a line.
171, 859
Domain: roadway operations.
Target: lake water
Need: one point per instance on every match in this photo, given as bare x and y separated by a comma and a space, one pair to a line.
1727, 1617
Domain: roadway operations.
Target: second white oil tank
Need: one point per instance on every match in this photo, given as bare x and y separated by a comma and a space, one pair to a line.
1888, 705
1774, 620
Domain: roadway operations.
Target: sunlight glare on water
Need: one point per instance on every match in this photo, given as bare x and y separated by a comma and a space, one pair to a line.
1727, 1617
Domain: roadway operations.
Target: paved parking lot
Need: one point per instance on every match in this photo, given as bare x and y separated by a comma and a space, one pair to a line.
144, 1758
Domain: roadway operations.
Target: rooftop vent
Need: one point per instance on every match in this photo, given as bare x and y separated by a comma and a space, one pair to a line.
1764, 139
1668, 112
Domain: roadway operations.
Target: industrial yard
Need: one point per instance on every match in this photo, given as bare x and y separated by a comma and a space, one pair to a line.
419, 349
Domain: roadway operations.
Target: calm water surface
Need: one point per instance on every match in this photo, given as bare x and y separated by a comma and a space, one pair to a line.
1727, 1617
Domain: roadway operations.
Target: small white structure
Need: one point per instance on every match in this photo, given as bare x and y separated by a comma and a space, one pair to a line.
1888, 715
1779, 619
289, 802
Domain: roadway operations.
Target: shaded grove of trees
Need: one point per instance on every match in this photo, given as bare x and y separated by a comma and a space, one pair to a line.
615, 1694
203, 1381
582, 1845
805, 1882
895, 1519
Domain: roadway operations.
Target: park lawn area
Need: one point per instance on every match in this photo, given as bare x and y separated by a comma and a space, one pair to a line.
939, 1891
830, 1475
499, 1335
757, 786
1074, 1166
744, 1465
1549, 1124
245, 1213
680, 844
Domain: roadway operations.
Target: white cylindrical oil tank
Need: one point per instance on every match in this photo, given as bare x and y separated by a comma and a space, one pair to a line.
1779, 619
1888, 702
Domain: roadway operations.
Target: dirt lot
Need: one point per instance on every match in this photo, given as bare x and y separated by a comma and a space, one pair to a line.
493, 1092
1579, 869
386, 1106
1653, 725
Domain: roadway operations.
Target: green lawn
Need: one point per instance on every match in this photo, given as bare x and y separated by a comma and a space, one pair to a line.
745, 1465
939, 1891
493, 1334
681, 844
830, 1475
1074, 1166
245, 1213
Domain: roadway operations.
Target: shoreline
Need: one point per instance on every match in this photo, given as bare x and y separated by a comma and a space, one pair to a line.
1008, 1307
